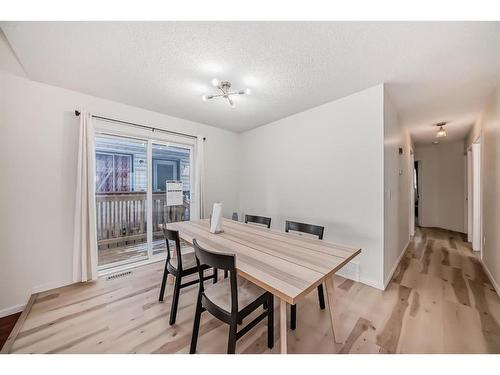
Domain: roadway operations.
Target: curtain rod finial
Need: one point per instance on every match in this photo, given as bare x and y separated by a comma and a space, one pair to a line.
77, 113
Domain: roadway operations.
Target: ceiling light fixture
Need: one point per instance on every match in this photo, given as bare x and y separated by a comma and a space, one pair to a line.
441, 132
224, 87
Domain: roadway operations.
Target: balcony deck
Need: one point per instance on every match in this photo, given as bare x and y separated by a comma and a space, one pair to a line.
121, 224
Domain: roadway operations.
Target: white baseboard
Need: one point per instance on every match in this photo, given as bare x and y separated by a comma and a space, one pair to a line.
490, 276
352, 272
395, 266
11, 310
49, 286
37, 289
371, 283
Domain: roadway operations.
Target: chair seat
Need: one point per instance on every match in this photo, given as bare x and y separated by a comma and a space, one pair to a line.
220, 293
188, 261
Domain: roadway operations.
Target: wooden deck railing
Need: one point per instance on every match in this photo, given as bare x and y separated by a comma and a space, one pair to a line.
121, 217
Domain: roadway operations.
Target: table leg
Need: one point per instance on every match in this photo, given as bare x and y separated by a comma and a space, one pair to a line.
332, 307
170, 279
283, 326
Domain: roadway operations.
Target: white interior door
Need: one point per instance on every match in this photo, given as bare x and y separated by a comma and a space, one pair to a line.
476, 199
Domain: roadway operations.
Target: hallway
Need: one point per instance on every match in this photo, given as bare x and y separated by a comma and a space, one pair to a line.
448, 302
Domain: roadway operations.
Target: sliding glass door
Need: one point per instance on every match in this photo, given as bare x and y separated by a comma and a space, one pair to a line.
133, 171
172, 164
121, 200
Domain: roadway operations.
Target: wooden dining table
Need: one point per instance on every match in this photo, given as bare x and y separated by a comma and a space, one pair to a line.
288, 265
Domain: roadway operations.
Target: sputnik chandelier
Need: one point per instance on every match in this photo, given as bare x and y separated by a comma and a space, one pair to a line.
224, 87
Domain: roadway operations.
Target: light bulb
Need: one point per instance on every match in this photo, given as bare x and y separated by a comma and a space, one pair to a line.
248, 91
204, 98
441, 133
215, 82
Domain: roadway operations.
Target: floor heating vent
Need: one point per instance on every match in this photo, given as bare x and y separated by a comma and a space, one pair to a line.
118, 275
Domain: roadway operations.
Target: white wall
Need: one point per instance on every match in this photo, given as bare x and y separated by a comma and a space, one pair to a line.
488, 127
443, 185
323, 166
37, 162
8, 60
397, 183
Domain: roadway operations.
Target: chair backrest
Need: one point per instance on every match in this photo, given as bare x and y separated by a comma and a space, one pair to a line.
315, 230
220, 261
173, 235
258, 220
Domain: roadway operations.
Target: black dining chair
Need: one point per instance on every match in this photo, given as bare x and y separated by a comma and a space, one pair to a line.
180, 266
230, 300
258, 220
315, 230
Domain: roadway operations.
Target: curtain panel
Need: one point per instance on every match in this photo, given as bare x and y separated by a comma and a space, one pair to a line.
85, 237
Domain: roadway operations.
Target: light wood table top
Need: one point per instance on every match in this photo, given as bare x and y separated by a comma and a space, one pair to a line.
288, 265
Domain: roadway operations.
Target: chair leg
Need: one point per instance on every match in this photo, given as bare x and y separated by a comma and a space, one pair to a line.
293, 317
163, 283
270, 322
215, 275
231, 345
175, 299
196, 326
321, 297
226, 274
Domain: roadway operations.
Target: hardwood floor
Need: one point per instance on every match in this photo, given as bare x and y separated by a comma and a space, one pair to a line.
7, 323
439, 301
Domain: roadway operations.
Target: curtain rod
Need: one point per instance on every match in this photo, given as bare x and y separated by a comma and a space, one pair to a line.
77, 113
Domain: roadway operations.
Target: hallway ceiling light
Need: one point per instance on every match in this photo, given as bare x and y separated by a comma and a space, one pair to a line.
441, 132
224, 87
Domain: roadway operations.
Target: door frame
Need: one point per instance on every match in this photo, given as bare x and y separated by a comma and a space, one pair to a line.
420, 192
469, 194
412, 193
118, 129
477, 229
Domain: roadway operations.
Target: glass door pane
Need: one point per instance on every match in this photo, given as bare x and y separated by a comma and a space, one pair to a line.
121, 200
169, 163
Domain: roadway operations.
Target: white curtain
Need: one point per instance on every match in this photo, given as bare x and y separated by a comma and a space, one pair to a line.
200, 177
85, 237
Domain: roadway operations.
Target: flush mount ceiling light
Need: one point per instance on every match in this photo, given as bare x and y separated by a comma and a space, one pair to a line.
441, 132
224, 87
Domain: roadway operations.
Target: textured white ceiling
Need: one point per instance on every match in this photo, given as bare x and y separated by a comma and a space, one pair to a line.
435, 71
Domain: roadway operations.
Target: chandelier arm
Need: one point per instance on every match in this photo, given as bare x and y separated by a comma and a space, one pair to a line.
223, 88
